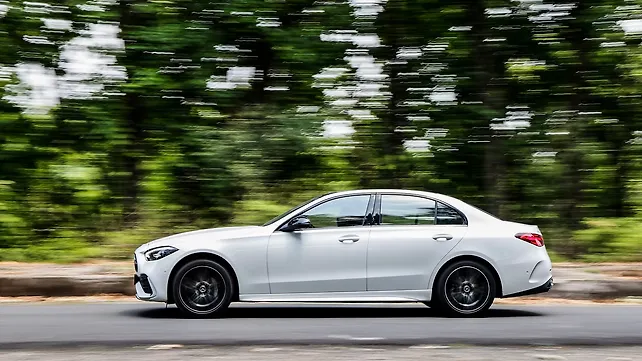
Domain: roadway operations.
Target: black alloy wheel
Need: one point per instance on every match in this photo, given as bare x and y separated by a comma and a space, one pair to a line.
465, 288
203, 288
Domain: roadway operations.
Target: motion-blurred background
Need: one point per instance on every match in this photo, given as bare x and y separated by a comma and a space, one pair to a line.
122, 121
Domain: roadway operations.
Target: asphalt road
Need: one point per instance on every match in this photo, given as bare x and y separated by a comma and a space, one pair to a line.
138, 323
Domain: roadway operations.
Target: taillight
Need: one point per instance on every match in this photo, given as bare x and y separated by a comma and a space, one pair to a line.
532, 238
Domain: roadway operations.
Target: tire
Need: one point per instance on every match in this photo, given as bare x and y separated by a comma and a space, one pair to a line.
203, 288
464, 289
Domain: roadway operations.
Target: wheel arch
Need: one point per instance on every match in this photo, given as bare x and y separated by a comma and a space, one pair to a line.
469, 257
202, 255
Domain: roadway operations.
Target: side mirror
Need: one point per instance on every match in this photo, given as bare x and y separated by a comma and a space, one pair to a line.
296, 224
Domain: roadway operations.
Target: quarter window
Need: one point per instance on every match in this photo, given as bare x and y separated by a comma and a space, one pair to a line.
340, 212
407, 210
447, 215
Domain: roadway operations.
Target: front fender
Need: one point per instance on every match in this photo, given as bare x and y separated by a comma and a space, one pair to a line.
246, 256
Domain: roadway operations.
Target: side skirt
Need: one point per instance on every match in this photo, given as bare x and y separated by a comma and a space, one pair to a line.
368, 296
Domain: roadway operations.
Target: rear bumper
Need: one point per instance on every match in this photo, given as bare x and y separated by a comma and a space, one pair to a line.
534, 291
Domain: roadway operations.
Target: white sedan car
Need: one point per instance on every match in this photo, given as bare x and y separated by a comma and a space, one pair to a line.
353, 246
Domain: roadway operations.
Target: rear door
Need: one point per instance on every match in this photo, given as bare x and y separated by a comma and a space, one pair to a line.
412, 234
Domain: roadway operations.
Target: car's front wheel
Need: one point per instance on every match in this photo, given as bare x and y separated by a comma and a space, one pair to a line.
465, 288
203, 288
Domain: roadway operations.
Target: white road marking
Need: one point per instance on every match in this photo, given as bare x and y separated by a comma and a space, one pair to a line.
430, 346
164, 347
348, 337
266, 349
549, 357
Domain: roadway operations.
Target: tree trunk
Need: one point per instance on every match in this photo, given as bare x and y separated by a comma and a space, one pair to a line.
134, 116
132, 157
488, 70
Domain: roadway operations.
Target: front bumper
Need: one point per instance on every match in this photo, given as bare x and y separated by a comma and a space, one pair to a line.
151, 277
145, 285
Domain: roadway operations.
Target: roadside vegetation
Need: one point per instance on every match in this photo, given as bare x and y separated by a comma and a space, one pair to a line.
124, 121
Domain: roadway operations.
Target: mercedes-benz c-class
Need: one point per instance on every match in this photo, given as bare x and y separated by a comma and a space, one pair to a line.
352, 246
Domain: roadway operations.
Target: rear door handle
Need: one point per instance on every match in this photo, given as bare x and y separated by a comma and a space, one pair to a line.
442, 237
349, 239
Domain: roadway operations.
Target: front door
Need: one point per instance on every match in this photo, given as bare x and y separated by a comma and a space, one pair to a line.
330, 257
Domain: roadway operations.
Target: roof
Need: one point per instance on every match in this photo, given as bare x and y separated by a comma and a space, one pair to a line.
388, 190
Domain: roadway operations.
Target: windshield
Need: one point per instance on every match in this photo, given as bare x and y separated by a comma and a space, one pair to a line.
277, 218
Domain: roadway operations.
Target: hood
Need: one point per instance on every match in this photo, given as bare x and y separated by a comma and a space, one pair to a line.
209, 234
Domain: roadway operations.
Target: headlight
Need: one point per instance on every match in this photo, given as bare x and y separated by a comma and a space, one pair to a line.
159, 252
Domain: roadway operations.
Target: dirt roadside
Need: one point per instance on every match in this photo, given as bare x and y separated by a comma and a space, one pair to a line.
573, 281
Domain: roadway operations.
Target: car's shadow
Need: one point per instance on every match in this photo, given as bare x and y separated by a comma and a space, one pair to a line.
325, 312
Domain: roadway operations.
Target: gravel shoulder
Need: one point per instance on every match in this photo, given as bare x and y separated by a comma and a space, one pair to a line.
425, 353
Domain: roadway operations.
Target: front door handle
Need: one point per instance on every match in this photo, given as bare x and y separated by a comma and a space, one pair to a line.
349, 239
442, 237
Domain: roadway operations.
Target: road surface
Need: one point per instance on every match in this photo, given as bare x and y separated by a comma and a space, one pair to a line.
138, 323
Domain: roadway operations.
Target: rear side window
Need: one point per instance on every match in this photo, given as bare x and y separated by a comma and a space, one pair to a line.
447, 215
406, 210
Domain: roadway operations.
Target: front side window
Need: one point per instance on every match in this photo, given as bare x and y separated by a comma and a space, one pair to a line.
340, 212
406, 210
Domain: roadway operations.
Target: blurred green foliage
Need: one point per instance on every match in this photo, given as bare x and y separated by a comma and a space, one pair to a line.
124, 121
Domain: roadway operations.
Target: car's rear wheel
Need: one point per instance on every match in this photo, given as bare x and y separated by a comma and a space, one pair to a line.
465, 288
203, 288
